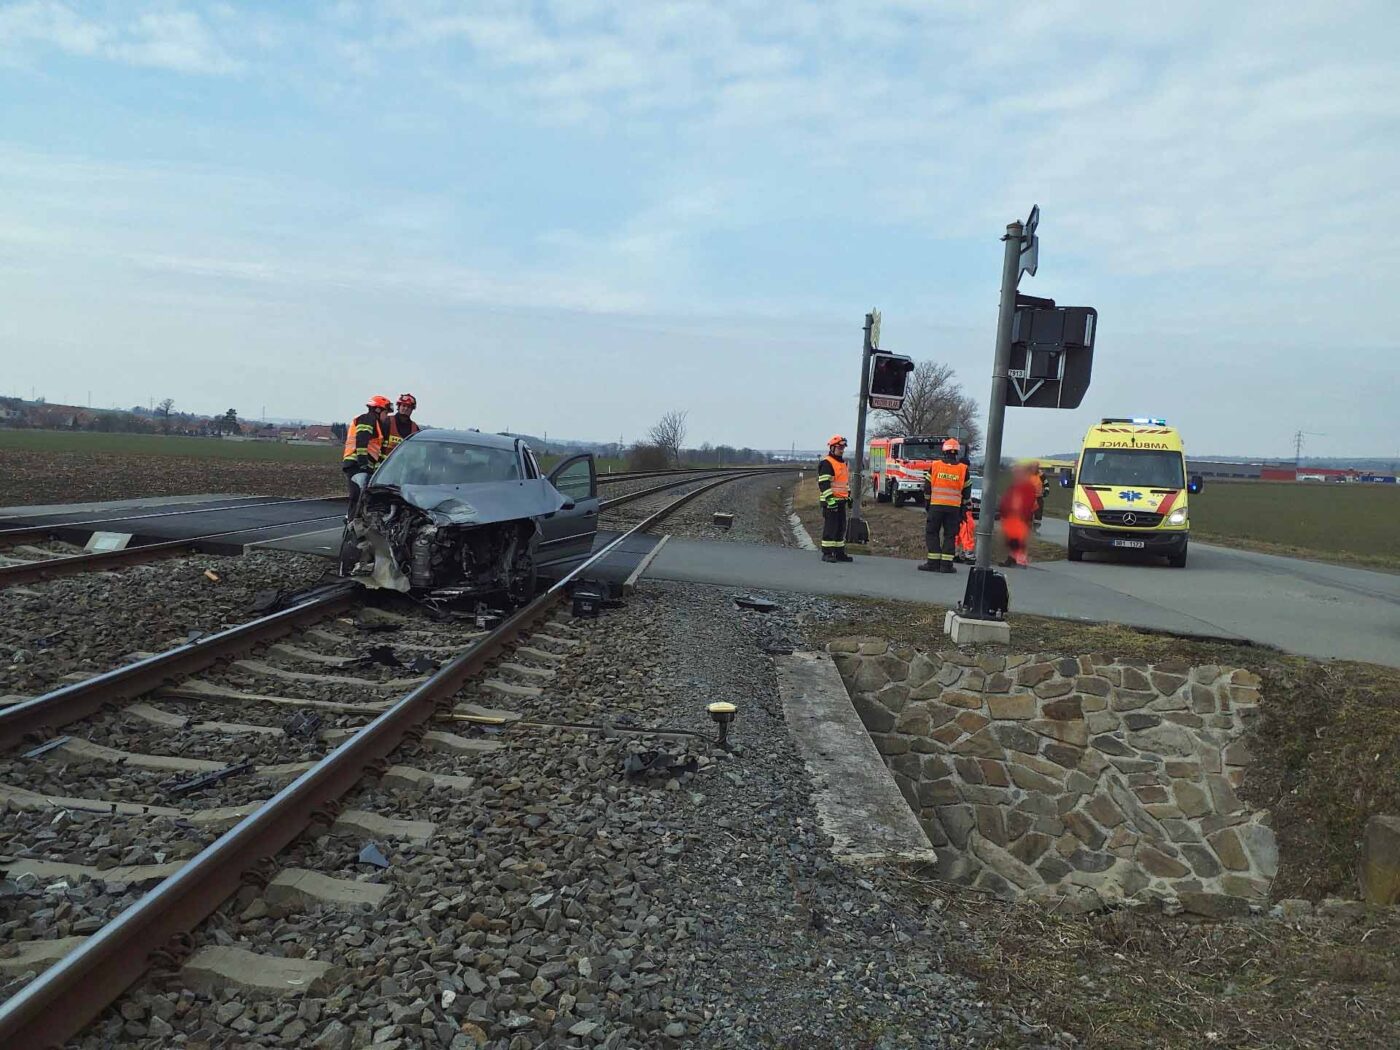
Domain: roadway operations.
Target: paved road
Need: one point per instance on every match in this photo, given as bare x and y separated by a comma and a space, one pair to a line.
1304, 607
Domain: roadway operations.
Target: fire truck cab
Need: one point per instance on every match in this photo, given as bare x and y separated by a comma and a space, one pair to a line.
899, 467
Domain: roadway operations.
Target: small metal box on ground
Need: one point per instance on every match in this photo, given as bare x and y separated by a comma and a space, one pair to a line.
588, 600
723, 521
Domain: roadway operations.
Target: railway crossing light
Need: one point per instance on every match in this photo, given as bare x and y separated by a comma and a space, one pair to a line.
1052, 354
888, 375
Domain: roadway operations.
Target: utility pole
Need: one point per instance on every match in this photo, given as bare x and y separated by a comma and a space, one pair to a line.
857, 531
996, 416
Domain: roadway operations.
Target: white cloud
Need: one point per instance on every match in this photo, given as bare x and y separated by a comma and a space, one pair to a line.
163, 36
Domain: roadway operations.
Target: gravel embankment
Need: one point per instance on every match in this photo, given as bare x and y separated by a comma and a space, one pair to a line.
562, 903
89, 622
756, 503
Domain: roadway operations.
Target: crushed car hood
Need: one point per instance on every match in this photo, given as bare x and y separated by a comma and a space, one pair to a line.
481, 503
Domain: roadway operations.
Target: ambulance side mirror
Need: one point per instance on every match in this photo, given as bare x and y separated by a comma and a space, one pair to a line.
1066, 478
1195, 484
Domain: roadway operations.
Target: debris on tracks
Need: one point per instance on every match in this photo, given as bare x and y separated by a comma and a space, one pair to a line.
183, 786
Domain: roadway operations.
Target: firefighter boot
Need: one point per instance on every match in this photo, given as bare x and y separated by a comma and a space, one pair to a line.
929, 566
950, 568
841, 555
829, 555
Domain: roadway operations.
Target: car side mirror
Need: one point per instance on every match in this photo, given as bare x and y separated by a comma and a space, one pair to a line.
1195, 484
1066, 479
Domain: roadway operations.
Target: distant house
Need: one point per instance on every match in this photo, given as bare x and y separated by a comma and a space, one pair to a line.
317, 432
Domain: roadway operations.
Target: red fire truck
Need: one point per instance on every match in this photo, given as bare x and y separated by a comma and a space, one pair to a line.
899, 466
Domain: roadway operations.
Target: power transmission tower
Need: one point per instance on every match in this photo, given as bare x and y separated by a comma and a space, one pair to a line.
1298, 445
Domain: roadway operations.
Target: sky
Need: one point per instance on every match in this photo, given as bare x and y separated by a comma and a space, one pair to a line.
571, 217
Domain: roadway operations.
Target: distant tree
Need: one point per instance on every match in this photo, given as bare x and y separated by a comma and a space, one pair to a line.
339, 430
934, 402
668, 434
646, 456
163, 412
228, 422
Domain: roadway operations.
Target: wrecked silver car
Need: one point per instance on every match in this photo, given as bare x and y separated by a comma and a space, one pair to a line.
460, 514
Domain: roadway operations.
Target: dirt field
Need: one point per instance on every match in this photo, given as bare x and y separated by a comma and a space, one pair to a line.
40, 467
895, 531
1350, 524
1327, 756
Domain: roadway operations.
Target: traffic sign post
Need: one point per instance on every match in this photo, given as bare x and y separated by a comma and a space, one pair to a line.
1043, 359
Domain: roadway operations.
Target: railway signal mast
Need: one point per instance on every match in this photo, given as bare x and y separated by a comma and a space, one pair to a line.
1043, 358
882, 381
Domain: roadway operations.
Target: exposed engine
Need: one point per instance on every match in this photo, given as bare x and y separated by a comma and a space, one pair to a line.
400, 548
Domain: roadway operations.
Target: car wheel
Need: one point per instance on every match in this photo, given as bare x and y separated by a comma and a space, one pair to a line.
1073, 553
1177, 561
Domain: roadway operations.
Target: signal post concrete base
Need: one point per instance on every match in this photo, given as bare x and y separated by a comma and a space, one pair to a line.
966, 631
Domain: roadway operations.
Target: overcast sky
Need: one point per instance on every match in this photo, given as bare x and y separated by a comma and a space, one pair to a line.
570, 217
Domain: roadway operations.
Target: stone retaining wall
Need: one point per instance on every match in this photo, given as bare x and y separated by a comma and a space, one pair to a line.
1086, 778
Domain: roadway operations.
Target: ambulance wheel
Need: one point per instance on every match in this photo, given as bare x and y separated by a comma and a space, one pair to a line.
1177, 561
1073, 553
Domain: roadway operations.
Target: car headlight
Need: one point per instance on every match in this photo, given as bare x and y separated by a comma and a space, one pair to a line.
1177, 517
1082, 512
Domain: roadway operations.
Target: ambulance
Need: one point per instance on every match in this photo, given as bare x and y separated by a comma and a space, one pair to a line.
1130, 491
899, 467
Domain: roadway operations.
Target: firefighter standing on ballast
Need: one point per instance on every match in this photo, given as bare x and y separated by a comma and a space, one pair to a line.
364, 445
400, 426
949, 492
834, 483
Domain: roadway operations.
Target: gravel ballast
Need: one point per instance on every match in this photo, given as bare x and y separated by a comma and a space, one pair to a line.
562, 903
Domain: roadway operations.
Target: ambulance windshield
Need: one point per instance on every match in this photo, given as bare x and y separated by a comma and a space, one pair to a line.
1145, 468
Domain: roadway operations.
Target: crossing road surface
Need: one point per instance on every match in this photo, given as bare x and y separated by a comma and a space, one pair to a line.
1305, 607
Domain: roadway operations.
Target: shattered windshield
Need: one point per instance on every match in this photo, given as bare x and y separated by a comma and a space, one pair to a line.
423, 461
1145, 468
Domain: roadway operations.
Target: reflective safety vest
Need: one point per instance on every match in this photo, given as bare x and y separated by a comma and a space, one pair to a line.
946, 482
836, 475
397, 434
364, 436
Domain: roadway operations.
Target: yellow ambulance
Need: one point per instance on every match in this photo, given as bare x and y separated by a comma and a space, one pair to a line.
1130, 491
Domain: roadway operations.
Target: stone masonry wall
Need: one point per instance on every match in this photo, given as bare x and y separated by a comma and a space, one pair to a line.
1083, 778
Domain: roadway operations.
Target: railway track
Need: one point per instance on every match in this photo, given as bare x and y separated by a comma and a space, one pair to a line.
34, 553
245, 739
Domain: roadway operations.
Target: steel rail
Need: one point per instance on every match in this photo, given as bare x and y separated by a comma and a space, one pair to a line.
11, 575
70, 994
629, 497
24, 533
41, 716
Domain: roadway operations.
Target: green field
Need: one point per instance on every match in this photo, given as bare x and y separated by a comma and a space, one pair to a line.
160, 445
1334, 522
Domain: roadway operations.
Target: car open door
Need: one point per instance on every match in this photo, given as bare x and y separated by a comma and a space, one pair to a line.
568, 534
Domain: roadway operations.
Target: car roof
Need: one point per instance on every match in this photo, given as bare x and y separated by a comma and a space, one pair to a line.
468, 437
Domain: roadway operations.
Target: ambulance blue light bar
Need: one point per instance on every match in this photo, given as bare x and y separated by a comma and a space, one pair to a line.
1139, 420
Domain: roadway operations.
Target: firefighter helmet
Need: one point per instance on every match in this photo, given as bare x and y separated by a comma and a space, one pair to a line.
951, 445
378, 401
409, 400
834, 440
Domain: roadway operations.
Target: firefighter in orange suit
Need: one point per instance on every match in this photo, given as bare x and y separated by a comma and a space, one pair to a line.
400, 426
966, 546
364, 445
949, 491
834, 486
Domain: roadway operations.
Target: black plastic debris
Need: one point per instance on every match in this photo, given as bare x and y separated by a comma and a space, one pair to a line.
268, 601
46, 642
421, 664
379, 654
178, 786
748, 601
303, 724
47, 746
658, 764
372, 854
